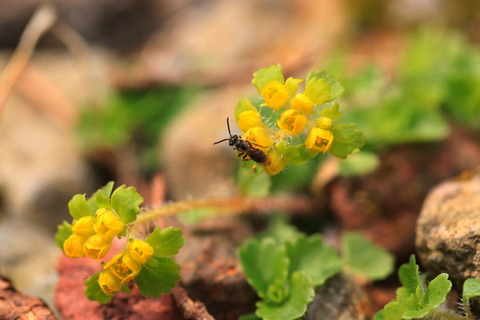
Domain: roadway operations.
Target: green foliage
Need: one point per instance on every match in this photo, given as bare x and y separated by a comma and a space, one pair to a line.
64, 231
78, 207
363, 258
126, 201
435, 85
166, 242
138, 117
158, 276
348, 140
415, 299
266, 75
93, 291
284, 266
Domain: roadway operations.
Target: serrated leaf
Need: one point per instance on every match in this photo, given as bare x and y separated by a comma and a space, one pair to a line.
408, 274
78, 207
126, 201
471, 288
153, 281
336, 88
244, 105
101, 198
263, 262
266, 75
93, 290
333, 113
292, 85
64, 231
301, 293
319, 262
318, 90
166, 242
435, 295
362, 257
347, 139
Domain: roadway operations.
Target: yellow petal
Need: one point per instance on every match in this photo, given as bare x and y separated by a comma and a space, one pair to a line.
140, 251
319, 139
302, 103
249, 119
276, 163
107, 223
96, 246
275, 95
108, 282
292, 122
259, 138
73, 246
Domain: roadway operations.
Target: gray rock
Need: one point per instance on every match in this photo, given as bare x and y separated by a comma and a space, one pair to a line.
448, 229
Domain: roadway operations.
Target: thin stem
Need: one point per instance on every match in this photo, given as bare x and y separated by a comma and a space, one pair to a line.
230, 206
442, 314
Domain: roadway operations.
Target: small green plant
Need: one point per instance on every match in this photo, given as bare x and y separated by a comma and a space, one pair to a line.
106, 215
418, 300
284, 266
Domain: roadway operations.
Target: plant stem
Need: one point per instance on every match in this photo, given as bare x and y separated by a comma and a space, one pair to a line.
442, 314
229, 206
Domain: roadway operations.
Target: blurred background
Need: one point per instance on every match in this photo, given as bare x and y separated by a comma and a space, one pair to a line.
138, 90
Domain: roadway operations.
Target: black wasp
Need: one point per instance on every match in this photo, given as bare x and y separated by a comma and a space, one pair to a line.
245, 148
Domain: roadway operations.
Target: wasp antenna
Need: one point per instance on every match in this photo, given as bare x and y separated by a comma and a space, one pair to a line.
221, 141
228, 126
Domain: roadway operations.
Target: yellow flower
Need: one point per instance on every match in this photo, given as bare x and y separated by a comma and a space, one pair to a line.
292, 122
140, 251
319, 139
275, 95
276, 164
84, 226
107, 224
302, 103
108, 282
96, 246
249, 119
259, 138
123, 267
73, 246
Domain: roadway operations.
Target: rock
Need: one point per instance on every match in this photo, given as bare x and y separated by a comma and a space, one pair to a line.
448, 230
14, 305
340, 298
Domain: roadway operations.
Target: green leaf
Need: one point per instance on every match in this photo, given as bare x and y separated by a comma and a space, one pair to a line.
93, 290
409, 277
301, 293
358, 164
309, 255
435, 295
253, 182
63, 232
101, 198
280, 230
78, 207
347, 139
152, 281
126, 202
293, 154
362, 257
244, 105
264, 262
292, 85
471, 288
333, 113
266, 75
336, 89
166, 242
318, 90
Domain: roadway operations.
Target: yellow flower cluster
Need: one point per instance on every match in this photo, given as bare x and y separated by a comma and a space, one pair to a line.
298, 119
124, 266
92, 235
